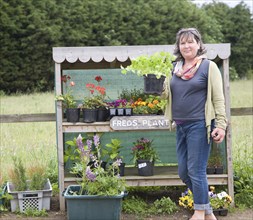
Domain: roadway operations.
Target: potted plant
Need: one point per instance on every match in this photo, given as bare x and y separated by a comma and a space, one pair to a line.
100, 191
29, 187
144, 156
128, 108
120, 107
112, 151
220, 202
186, 200
94, 106
69, 104
153, 68
150, 105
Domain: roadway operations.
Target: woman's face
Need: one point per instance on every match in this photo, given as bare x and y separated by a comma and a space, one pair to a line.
188, 47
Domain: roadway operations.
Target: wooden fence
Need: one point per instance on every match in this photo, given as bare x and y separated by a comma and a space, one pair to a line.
47, 117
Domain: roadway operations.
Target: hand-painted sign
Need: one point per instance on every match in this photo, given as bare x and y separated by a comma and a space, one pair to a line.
139, 122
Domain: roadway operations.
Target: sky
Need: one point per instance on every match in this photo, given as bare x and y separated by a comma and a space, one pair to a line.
231, 3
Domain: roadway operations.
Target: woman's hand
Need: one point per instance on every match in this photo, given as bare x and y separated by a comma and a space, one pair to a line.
218, 135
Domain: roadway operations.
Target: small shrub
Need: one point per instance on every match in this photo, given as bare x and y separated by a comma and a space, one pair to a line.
233, 74
35, 213
135, 205
244, 199
52, 170
17, 175
132, 94
164, 206
37, 176
243, 182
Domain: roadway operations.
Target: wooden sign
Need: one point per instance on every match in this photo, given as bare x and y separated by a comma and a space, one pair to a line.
139, 122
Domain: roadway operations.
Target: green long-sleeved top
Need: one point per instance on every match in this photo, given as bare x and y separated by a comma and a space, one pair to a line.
215, 103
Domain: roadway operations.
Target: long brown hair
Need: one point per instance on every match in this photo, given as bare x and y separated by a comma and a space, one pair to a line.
186, 33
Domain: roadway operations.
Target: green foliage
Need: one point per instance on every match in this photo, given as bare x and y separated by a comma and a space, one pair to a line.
68, 100
105, 184
112, 150
24, 178
164, 206
52, 170
138, 206
159, 64
35, 212
135, 205
133, 94
233, 74
243, 182
55, 189
237, 29
244, 198
95, 179
143, 150
18, 175
30, 29
4, 198
37, 176
72, 153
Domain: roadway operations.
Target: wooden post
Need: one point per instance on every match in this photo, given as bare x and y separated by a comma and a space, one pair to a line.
60, 144
228, 132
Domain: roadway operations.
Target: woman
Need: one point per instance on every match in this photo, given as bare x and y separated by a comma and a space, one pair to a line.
196, 105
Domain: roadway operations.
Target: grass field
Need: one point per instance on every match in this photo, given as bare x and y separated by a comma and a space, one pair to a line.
37, 141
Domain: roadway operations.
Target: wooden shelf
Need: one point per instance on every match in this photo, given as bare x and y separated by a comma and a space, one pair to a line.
68, 127
163, 176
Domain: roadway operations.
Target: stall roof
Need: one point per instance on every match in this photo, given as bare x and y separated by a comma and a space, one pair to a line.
123, 53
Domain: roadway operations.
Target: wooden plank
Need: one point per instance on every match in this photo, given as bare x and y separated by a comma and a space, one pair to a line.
241, 111
86, 127
13, 118
164, 176
46, 117
158, 180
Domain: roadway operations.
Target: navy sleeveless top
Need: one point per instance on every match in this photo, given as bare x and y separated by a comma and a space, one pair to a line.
189, 96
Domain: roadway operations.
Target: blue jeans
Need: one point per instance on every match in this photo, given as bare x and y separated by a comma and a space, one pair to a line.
193, 152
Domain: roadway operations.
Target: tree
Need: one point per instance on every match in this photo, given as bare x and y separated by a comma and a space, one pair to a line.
237, 28
31, 28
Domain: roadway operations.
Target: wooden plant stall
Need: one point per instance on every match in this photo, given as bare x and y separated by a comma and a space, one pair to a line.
95, 60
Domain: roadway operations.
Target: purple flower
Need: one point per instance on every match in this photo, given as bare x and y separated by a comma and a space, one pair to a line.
90, 175
89, 144
79, 142
140, 147
144, 140
96, 140
117, 163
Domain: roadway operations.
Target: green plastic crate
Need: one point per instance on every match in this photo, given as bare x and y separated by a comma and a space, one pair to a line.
88, 207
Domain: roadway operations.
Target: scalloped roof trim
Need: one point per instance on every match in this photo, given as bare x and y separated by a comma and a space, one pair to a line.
123, 53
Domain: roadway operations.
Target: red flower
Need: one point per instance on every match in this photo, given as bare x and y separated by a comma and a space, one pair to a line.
90, 85
98, 78
65, 78
100, 89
